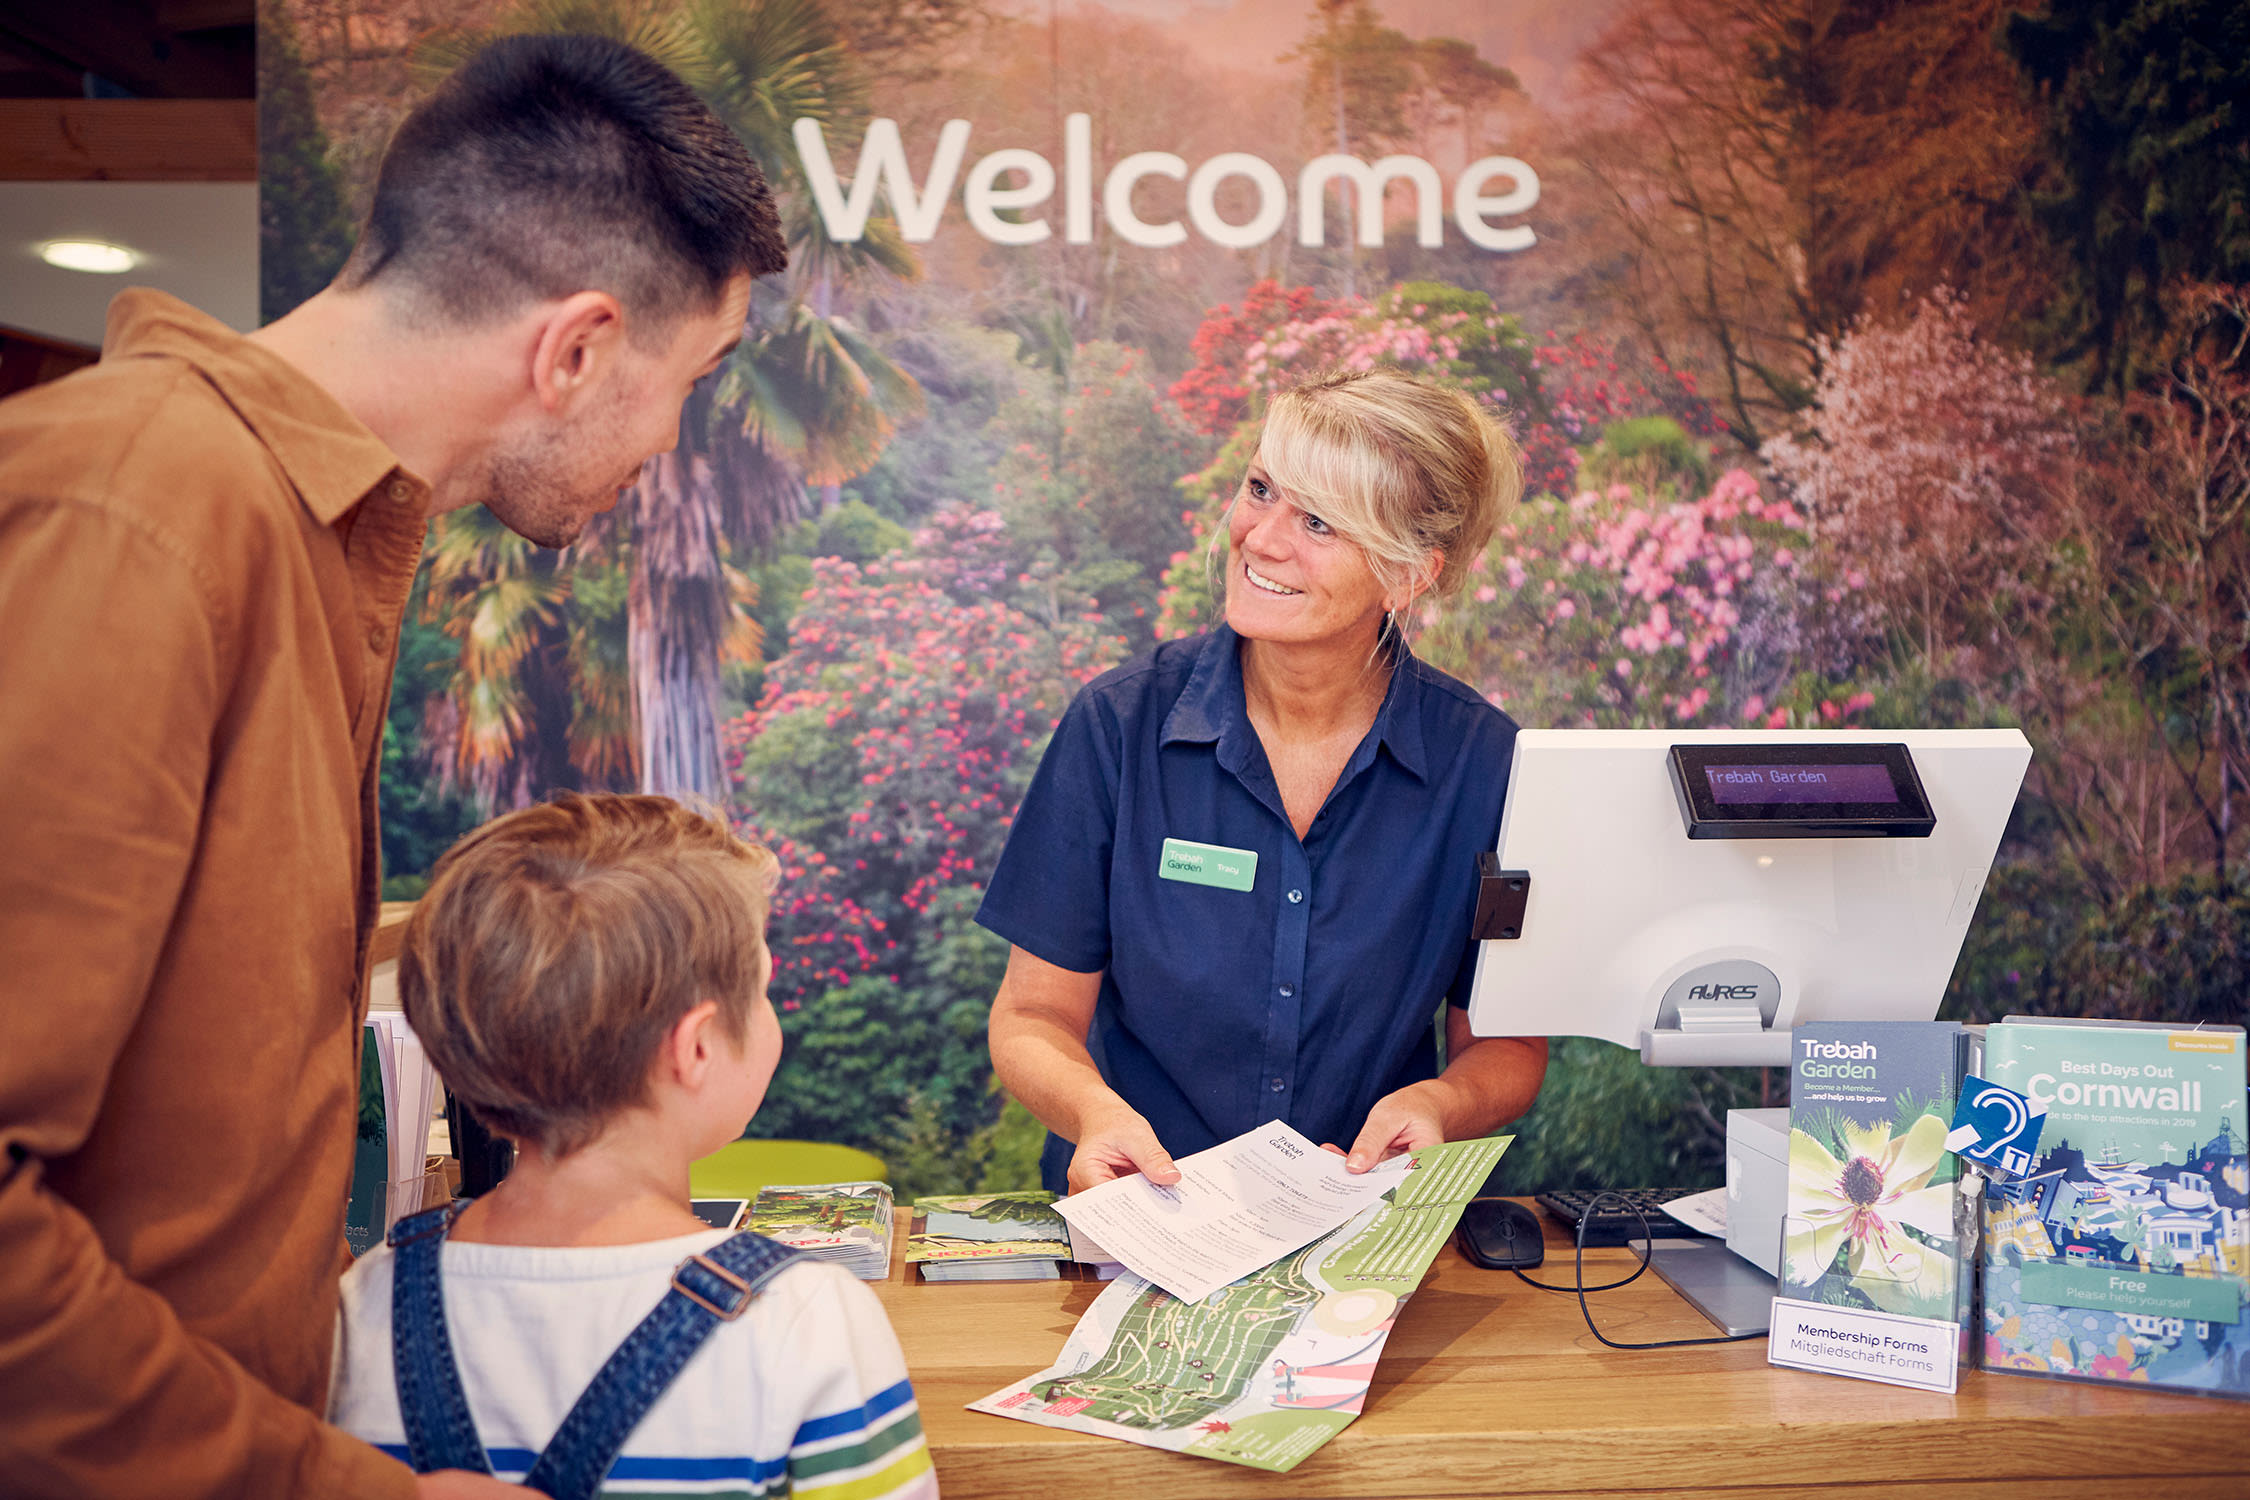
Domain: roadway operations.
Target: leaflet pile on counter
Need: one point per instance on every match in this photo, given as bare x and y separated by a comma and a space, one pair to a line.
1015, 1236
844, 1224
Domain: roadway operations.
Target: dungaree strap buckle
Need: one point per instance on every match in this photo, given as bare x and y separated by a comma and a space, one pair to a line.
430, 1221
737, 1292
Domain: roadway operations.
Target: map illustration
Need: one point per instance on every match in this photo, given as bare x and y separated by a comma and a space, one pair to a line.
1267, 1369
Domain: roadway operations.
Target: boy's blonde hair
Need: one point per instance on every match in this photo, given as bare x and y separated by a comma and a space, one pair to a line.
1400, 467
557, 946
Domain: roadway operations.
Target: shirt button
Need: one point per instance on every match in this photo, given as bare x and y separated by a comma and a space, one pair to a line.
1295, 897
1288, 990
400, 491
378, 639
1278, 1085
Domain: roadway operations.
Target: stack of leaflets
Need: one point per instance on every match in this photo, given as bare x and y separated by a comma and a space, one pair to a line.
1094, 1263
1876, 1253
846, 1224
366, 1213
393, 1174
2123, 1254
1014, 1236
1871, 1220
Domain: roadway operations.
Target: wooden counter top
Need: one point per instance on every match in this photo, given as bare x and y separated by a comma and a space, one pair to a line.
1489, 1387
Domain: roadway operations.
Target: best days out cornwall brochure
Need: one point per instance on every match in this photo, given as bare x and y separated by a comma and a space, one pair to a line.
2124, 1253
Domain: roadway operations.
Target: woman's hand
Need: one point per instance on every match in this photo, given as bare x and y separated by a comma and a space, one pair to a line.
1038, 1030
1489, 1081
1118, 1145
1410, 1119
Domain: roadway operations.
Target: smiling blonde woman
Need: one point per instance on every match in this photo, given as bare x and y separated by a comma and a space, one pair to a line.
1240, 886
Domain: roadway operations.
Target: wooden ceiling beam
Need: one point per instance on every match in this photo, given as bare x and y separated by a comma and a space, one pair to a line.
128, 140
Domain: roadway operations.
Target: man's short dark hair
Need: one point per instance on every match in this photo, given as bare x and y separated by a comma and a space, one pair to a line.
548, 165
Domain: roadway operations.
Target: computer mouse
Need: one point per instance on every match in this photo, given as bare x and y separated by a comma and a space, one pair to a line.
1502, 1235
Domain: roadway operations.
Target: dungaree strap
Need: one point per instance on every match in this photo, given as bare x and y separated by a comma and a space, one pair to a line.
431, 1402
707, 1290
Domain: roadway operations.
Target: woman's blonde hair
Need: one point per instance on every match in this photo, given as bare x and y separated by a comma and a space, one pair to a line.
558, 945
1402, 468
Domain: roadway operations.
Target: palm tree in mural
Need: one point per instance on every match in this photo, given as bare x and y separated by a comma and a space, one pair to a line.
808, 399
542, 641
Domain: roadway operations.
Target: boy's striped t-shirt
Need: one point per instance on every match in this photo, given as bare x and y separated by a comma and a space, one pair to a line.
805, 1394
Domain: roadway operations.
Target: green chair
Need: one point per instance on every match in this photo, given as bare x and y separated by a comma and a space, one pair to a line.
740, 1168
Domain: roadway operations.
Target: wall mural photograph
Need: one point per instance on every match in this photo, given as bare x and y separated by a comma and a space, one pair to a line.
1878, 365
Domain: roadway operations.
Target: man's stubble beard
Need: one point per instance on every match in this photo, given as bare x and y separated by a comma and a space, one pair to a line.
524, 488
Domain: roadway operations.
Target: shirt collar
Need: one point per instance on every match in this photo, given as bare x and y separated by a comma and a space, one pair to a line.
328, 454
1211, 708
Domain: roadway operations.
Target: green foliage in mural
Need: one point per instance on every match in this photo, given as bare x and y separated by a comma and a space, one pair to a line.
304, 233
1604, 1120
2148, 175
883, 764
421, 817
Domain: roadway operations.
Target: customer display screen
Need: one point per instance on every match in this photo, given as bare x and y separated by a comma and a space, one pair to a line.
1735, 785
1799, 788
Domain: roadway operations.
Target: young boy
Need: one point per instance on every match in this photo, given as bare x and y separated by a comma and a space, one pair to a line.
589, 976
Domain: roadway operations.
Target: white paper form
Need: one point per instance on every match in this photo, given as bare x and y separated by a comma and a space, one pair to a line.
1705, 1211
1085, 1251
1238, 1207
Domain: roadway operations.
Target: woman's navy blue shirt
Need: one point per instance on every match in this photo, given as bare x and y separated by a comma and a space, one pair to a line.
1312, 994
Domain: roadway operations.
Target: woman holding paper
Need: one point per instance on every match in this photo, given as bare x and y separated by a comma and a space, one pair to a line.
1241, 884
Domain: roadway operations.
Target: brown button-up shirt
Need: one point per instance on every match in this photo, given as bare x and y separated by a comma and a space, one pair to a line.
203, 563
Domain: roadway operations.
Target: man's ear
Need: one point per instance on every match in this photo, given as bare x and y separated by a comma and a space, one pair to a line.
691, 1046
579, 337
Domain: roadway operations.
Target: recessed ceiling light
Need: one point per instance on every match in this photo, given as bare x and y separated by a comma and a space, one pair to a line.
88, 255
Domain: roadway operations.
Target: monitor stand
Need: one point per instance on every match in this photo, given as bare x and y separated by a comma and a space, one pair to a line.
1724, 1287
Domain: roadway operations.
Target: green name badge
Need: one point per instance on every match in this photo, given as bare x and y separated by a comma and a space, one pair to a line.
2154, 1294
1208, 864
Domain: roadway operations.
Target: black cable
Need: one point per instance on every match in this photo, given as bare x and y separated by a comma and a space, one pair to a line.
1544, 1286
1585, 1219
1607, 1286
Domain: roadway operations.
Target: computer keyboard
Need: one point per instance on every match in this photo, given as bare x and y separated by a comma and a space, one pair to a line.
1619, 1220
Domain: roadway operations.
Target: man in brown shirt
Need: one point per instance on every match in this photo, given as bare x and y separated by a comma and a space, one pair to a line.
206, 543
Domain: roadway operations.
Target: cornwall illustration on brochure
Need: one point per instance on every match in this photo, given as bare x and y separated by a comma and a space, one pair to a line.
2124, 1253
1265, 1370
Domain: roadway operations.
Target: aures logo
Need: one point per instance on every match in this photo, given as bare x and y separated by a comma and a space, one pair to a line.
1723, 992
1495, 187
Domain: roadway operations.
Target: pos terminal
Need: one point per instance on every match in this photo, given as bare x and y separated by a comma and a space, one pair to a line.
1697, 894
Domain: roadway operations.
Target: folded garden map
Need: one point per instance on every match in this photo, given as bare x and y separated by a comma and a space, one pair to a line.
1268, 1368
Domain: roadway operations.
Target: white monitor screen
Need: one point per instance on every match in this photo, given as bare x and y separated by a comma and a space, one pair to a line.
1698, 893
